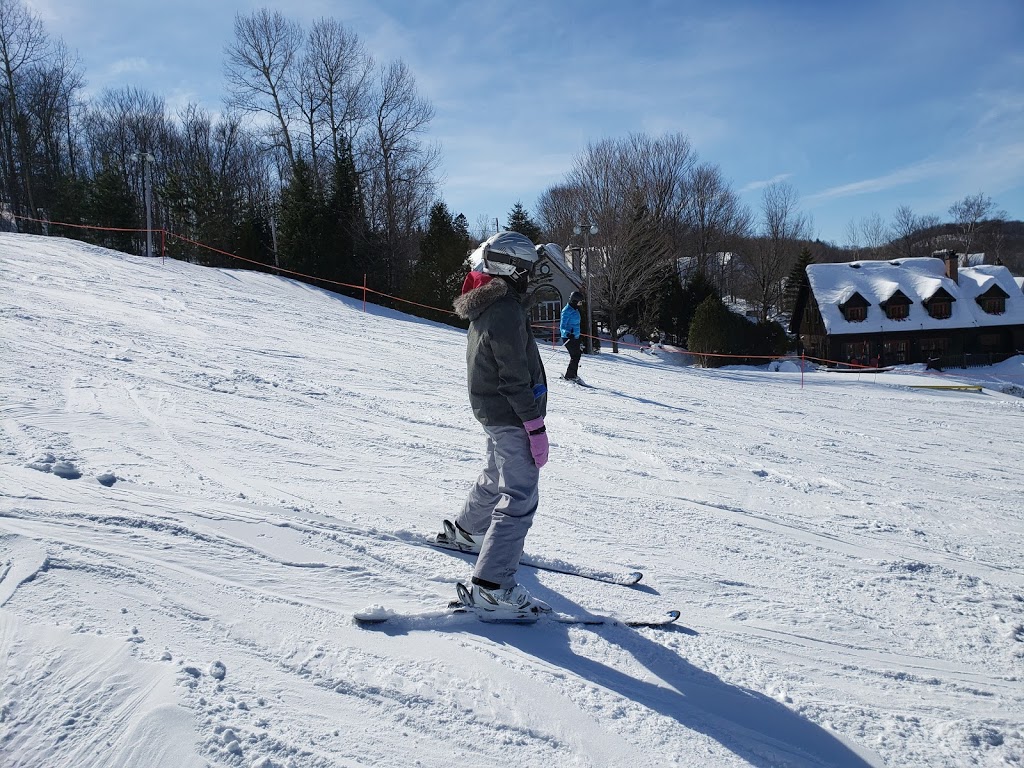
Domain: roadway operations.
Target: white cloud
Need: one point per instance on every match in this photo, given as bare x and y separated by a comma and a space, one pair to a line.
129, 65
908, 175
753, 186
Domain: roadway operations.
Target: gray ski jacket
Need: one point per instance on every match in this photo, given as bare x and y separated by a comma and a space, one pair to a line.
507, 384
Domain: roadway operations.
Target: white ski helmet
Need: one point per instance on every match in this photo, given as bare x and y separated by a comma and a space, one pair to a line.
506, 253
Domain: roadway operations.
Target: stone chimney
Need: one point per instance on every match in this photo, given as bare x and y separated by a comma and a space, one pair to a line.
952, 263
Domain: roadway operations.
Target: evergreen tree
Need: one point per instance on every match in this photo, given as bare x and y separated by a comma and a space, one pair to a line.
712, 330
441, 268
70, 204
519, 221
112, 204
720, 337
253, 238
795, 280
697, 289
303, 230
347, 252
670, 308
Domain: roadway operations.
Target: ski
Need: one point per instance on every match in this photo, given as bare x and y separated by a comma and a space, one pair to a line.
622, 578
577, 382
418, 539
457, 614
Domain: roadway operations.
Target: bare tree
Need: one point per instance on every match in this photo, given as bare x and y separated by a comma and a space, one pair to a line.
23, 44
904, 231
51, 113
260, 70
558, 211
875, 234
971, 215
629, 273
712, 214
635, 191
931, 226
486, 225
343, 72
773, 253
662, 169
852, 233
867, 236
399, 170
125, 121
308, 103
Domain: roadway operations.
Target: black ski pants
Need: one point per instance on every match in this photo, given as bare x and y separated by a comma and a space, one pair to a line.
575, 348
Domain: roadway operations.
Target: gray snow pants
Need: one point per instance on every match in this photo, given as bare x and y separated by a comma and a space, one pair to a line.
502, 503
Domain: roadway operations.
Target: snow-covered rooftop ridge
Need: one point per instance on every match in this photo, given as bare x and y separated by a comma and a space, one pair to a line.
919, 278
554, 252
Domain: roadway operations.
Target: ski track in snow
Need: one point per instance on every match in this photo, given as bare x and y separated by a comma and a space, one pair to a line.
204, 473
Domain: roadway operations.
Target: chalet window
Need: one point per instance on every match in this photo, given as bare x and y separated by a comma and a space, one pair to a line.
993, 301
935, 347
812, 320
855, 308
897, 311
994, 305
940, 310
897, 306
546, 313
856, 352
895, 351
990, 342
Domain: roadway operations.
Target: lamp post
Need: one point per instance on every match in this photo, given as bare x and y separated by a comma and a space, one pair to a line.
587, 230
146, 159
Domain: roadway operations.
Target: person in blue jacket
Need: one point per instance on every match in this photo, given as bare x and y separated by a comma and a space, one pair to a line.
570, 328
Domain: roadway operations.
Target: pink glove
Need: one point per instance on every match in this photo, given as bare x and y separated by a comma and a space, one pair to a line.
538, 435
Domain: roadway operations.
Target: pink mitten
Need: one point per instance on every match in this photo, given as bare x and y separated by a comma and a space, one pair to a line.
538, 440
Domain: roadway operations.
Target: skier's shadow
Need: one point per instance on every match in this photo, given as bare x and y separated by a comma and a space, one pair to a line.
756, 728
753, 726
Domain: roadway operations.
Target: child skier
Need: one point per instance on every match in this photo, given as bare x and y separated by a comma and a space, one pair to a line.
508, 394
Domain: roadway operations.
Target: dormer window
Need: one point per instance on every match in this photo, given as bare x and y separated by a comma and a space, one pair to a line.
993, 301
855, 309
940, 304
897, 306
993, 305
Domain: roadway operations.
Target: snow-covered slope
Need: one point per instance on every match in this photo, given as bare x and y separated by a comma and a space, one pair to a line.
203, 472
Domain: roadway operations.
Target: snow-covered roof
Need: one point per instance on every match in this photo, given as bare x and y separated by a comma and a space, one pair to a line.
1020, 283
919, 279
554, 253
557, 257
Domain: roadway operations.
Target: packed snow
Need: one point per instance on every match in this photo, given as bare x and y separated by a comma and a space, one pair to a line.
204, 473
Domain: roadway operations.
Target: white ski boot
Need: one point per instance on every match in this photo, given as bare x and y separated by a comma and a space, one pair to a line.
453, 536
515, 602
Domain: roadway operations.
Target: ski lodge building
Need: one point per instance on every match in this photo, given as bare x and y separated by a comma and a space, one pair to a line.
914, 310
555, 279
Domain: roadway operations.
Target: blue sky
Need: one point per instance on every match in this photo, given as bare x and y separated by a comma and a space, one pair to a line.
861, 106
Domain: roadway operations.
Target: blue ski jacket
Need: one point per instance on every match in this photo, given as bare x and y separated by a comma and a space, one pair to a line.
570, 326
